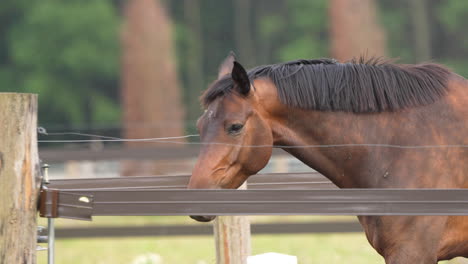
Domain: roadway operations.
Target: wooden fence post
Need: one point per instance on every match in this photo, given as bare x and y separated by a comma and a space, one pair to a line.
232, 238
19, 177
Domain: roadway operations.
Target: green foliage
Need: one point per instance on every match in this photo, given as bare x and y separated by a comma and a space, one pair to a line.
67, 52
447, 23
307, 30
270, 25
460, 66
395, 18
454, 14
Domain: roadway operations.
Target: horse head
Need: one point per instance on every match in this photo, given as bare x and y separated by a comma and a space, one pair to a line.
236, 140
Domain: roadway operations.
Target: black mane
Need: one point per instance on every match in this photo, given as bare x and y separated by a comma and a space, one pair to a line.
359, 86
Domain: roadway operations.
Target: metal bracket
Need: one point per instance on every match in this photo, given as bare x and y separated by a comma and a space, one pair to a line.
59, 204
40, 237
48, 206
50, 238
54, 203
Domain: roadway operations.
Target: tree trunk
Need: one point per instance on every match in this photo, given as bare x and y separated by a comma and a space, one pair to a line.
421, 30
355, 29
243, 31
150, 87
19, 178
194, 62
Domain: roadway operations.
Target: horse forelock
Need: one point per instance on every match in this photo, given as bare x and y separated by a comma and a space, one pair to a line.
360, 85
216, 90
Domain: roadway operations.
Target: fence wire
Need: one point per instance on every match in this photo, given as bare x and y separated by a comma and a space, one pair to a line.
42, 131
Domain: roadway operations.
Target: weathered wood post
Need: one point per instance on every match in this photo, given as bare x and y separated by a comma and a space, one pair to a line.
232, 238
19, 177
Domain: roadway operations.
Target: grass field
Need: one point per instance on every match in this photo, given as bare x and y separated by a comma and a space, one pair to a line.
309, 248
336, 248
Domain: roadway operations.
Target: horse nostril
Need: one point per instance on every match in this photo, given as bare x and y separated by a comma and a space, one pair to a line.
203, 218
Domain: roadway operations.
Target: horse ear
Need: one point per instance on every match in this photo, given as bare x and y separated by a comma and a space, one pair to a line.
241, 79
226, 66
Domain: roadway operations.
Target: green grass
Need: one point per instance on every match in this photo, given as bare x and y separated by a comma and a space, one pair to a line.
116, 251
309, 248
335, 248
321, 248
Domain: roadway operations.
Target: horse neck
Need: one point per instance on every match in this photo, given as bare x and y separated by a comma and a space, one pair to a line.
440, 123
319, 131
293, 127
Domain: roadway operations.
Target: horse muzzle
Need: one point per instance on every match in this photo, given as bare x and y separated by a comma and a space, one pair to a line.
203, 218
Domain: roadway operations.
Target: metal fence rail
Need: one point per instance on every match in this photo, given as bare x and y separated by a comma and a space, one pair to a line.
85, 204
206, 230
82, 199
297, 181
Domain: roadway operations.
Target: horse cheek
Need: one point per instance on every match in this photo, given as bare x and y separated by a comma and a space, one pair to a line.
260, 154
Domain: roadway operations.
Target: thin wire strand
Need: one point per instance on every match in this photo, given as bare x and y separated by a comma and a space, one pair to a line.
184, 186
163, 140
81, 134
169, 140
118, 139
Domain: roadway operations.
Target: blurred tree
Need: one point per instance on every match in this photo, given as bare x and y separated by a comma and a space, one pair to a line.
446, 40
355, 29
204, 36
67, 51
150, 88
194, 60
269, 22
395, 18
243, 32
305, 33
451, 39
421, 30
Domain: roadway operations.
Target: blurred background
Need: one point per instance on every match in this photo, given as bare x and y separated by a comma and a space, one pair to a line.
135, 69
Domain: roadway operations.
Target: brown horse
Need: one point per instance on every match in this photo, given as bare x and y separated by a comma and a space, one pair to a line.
362, 124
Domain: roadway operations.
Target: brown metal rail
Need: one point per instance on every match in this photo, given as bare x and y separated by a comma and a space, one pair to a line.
296, 181
77, 200
205, 230
81, 199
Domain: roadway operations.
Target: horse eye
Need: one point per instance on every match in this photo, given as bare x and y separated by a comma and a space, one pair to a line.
235, 128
